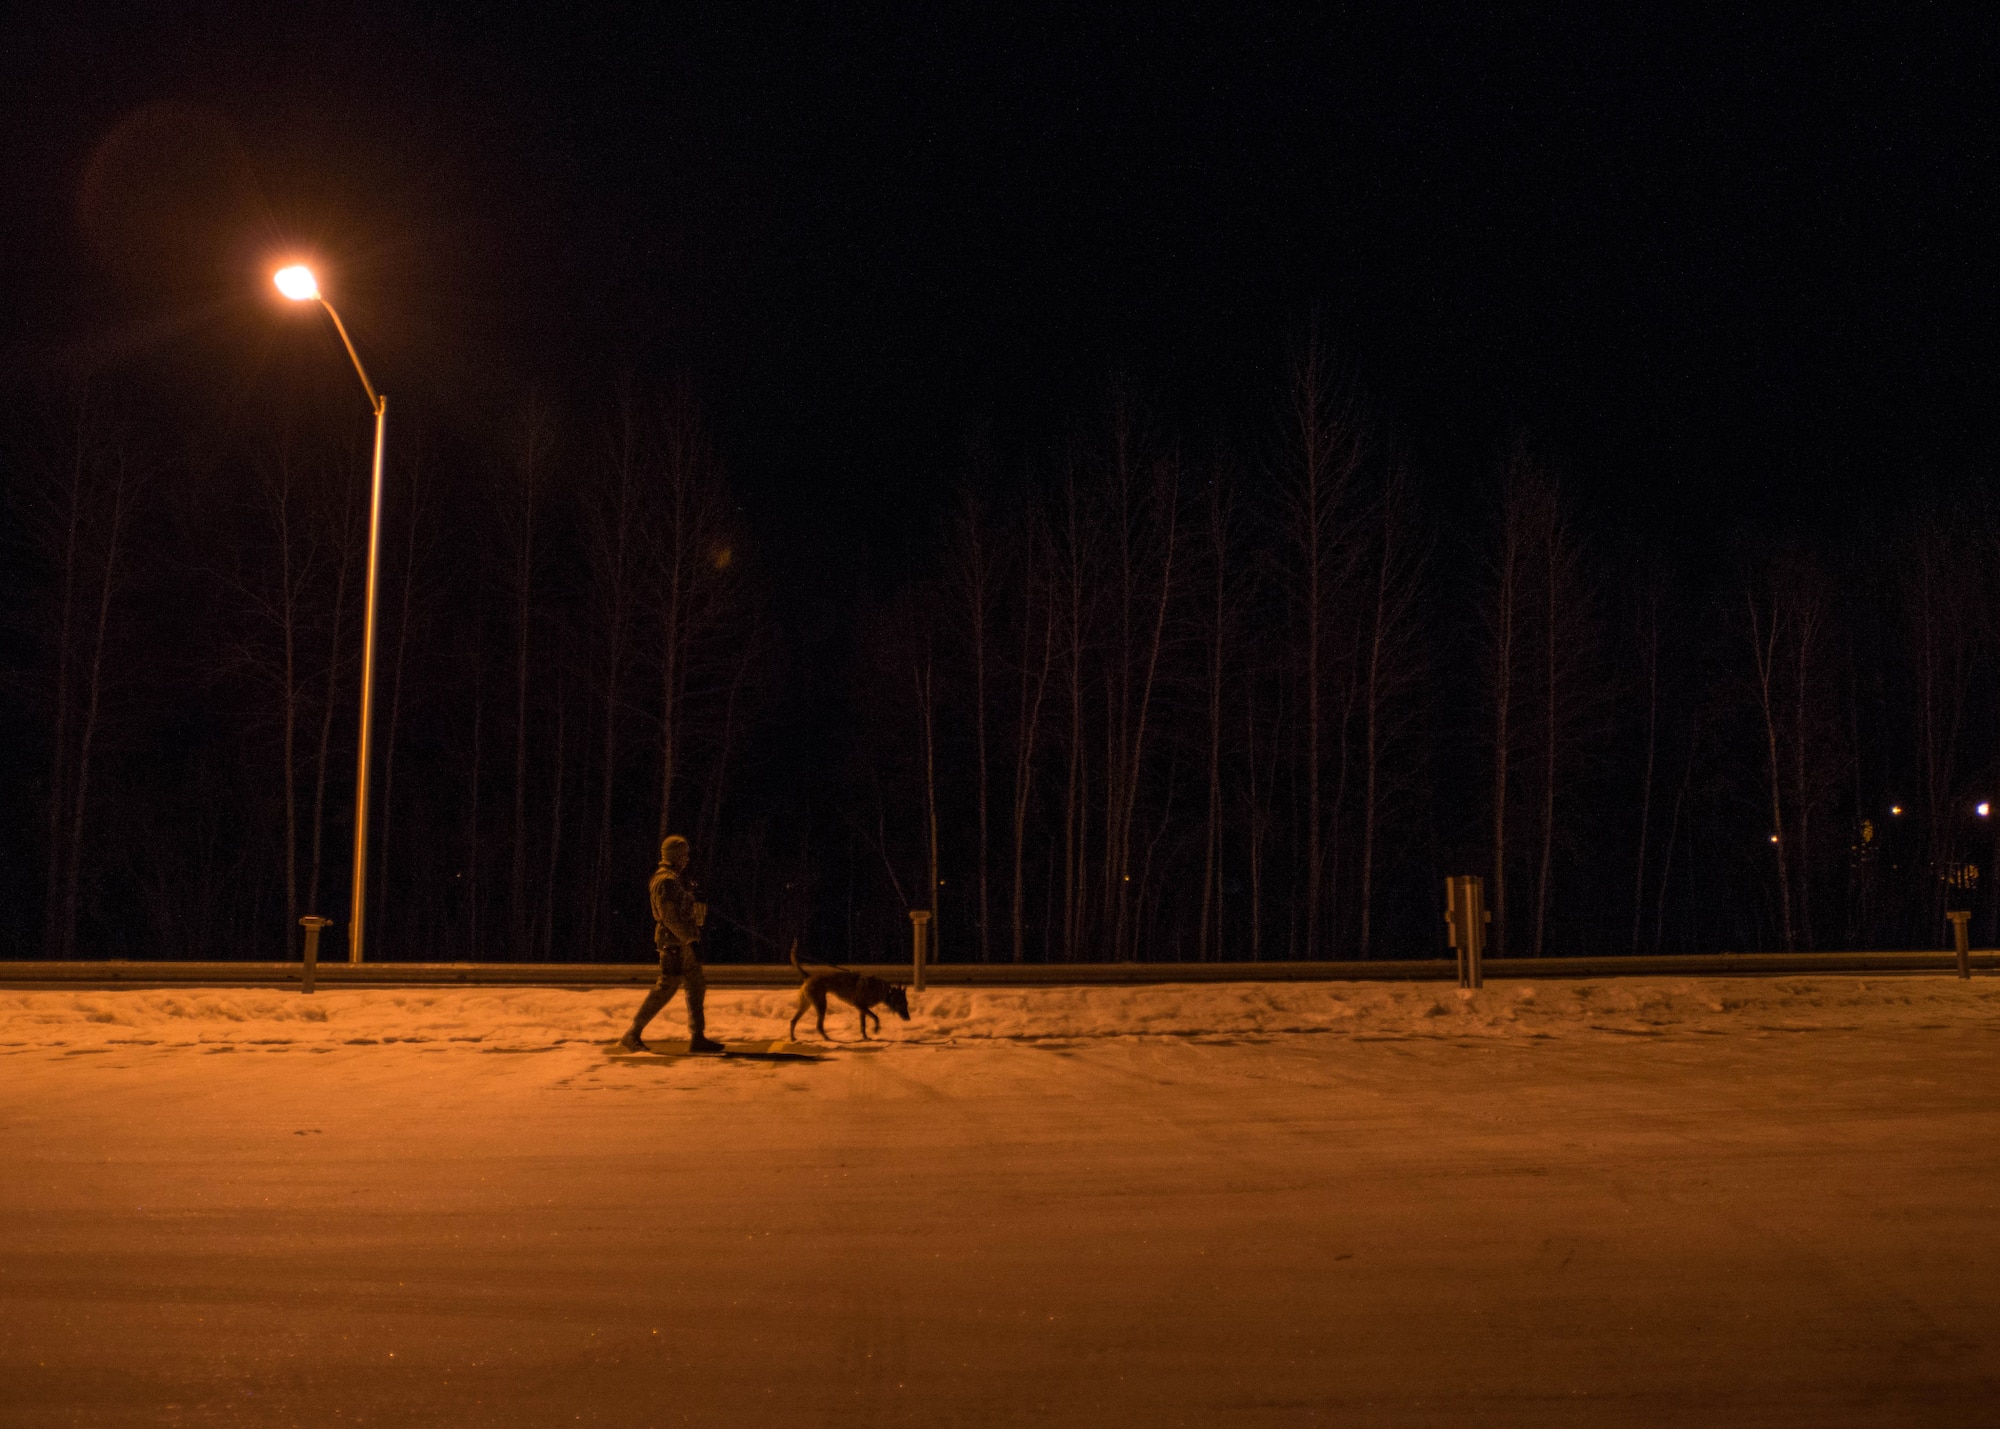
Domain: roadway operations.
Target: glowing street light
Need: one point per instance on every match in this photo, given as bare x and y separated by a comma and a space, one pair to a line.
297, 283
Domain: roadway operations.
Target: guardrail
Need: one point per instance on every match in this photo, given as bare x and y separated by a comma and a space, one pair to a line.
769, 975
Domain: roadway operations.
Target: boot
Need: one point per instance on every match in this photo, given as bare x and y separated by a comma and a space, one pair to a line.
632, 1041
696, 1041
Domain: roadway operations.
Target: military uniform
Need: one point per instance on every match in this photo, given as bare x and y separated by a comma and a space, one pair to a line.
676, 936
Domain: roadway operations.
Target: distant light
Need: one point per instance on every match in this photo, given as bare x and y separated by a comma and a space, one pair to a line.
1896, 809
1984, 810
1774, 838
297, 283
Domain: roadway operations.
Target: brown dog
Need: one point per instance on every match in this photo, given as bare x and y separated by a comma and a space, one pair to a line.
858, 990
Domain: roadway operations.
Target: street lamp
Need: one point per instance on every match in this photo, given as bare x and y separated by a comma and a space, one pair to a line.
298, 284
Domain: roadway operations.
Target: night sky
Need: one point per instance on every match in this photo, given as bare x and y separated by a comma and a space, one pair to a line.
1720, 271
1719, 289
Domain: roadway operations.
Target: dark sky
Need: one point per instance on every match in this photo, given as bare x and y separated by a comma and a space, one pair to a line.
1722, 269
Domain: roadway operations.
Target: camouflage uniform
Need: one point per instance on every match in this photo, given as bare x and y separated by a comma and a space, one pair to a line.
676, 934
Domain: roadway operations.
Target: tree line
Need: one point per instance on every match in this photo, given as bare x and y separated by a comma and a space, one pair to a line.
1139, 697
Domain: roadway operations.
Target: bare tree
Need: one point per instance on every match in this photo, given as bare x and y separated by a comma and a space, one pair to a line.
1647, 642
1935, 574
924, 688
1144, 528
1565, 646
1673, 834
1073, 557
274, 594
612, 512
1260, 796
974, 579
1325, 449
1504, 601
749, 657
1220, 533
1390, 664
77, 515
117, 484
548, 919
472, 845
1789, 621
692, 555
414, 521
335, 515
1032, 676
531, 456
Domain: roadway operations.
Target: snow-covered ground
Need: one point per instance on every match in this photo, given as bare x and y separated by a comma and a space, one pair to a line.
494, 1019
1647, 1201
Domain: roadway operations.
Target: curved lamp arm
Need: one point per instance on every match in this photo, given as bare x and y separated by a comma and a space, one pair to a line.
374, 401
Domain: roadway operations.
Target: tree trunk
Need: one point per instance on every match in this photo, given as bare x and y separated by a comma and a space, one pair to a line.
1763, 647
288, 703
1380, 632
672, 639
928, 705
1806, 633
548, 929
528, 494
93, 704
1505, 595
346, 549
1551, 714
1030, 719
611, 555
1673, 834
57, 936
1211, 884
472, 817
1136, 742
1073, 801
396, 704
718, 778
1651, 615
978, 582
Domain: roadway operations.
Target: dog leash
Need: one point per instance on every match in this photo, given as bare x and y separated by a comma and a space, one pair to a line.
723, 917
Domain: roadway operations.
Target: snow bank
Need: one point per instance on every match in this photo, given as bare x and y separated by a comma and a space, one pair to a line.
521, 1019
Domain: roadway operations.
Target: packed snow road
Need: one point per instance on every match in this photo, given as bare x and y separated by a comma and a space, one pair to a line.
1641, 1202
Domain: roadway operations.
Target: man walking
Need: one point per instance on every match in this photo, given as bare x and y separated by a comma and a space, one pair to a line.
677, 921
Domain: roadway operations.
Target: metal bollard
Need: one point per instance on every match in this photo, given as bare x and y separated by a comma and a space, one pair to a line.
920, 921
1465, 921
1961, 940
312, 925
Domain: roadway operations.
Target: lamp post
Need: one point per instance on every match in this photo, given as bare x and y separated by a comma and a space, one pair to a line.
298, 284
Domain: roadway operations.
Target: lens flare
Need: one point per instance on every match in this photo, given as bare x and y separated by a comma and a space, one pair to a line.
297, 283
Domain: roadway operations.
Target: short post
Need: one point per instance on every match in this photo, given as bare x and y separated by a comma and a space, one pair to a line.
920, 924
1961, 940
312, 925
1465, 923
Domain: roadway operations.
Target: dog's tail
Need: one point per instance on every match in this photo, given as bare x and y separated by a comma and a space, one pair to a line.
806, 972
